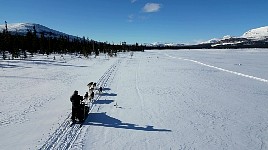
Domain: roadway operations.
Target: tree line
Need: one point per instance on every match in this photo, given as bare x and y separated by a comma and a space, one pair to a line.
18, 45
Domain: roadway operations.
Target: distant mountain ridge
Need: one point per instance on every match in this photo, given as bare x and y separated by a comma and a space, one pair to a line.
254, 37
163, 44
257, 37
23, 28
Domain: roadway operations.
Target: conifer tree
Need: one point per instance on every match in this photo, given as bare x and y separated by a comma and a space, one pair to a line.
6, 26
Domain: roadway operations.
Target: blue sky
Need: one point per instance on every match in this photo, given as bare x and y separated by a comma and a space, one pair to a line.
142, 21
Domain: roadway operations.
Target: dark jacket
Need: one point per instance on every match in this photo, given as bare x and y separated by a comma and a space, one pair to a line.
92, 95
76, 100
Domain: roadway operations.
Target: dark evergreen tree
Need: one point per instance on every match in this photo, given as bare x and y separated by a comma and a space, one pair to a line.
6, 26
35, 43
42, 43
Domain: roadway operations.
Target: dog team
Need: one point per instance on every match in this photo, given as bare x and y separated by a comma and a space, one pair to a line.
78, 102
92, 86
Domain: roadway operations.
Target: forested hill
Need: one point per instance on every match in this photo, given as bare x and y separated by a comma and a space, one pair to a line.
17, 39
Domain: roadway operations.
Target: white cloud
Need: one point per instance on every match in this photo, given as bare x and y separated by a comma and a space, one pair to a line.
130, 18
151, 7
133, 1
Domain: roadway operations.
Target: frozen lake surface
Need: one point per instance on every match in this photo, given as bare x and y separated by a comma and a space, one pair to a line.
172, 99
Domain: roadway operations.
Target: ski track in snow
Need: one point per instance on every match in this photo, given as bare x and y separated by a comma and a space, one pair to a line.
139, 94
221, 69
66, 136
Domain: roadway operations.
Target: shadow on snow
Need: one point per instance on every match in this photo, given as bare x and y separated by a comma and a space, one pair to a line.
102, 119
108, 94
20, 77
106, 89
103, 101
50, 62
11, 66
12, 63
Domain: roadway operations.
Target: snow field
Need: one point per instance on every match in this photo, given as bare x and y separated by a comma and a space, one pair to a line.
184, 99
185, 104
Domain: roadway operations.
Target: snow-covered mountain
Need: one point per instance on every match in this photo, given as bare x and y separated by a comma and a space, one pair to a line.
251, 37
257, 34
253, 34
255, 37
214, 40
23, 28
162, 44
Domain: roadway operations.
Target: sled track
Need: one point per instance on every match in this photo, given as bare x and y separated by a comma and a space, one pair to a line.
65, 135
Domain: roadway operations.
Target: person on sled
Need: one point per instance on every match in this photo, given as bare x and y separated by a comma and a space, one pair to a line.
86, 96
76, 101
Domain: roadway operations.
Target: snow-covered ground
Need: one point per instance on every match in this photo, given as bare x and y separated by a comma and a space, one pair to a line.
184, 99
